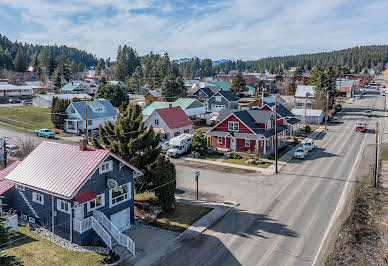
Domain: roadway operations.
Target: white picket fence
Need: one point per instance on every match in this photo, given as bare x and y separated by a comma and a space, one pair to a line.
90, 222
122, 239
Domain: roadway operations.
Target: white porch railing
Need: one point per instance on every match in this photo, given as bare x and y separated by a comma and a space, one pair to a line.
89, 223
122, 239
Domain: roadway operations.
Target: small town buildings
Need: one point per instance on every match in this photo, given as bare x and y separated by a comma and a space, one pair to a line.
205, 93
98, 112
169, 122
286, 117
72, 87
222, 100
14, 90
243, 130
347, 88
118, 82
45, 100
192, 107
313, 116
304, 95
76, 192
152, 96
226, 86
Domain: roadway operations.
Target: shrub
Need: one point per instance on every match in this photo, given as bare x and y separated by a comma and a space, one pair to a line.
113, 257
307, 129
234, 155
296, 140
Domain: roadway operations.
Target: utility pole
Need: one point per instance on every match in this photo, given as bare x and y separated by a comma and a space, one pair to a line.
86, 123
276, 134
5, 154
305, 109
376, 155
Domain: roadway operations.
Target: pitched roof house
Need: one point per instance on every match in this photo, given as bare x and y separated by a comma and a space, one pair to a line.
99, 111
302, 90
192, 107
75, 87
244, 130
222, 100
152, 96
74, 191
170, 122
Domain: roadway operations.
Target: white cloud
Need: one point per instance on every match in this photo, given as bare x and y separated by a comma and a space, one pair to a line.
246, 29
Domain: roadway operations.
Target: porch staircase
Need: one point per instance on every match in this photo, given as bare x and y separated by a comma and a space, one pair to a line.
28, 203
121, 243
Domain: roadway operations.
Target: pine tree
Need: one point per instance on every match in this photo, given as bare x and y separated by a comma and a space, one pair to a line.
127, 61
165, 182
61, 72
292, 87
129, 139
100, 66
199, 143
317, 77
172, 88
135, 82
20, 63
114, 93
238, 84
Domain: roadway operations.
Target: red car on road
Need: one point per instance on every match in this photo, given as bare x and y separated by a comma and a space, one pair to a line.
360, 126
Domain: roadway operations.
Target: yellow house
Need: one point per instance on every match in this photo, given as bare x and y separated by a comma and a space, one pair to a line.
386, 74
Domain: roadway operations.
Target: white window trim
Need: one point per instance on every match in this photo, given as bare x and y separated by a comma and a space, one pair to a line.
31, 219
109, 163
249, 143
90, 122
63, 210
156, 122
20, 187
89, 209
219, 140
121, 165
34, 199
218, 99
24, 216
127, 199
231, 126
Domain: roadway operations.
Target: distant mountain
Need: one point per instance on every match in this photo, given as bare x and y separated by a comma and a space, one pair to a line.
185, 60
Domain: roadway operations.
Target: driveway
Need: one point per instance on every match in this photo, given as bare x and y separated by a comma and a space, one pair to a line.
283, 219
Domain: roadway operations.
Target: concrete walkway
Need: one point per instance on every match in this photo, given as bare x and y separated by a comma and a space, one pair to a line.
383, 173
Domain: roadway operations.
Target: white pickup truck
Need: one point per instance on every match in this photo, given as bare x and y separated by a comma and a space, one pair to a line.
180, 144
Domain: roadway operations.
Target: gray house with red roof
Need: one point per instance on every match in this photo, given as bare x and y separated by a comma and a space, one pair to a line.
169, 122
74, 191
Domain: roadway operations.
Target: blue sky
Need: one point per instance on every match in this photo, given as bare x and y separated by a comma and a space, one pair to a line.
232, 29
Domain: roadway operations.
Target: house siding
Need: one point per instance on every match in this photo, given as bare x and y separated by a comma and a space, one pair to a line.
224, 125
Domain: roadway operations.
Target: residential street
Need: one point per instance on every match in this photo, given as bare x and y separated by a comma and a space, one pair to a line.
282, 219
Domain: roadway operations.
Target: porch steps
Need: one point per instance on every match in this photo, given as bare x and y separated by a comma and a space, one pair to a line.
120, 250
28, 203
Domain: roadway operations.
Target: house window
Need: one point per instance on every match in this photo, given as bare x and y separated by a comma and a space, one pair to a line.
156, 121
233, 126
96, 203
218, 98
106, 167
31, 220
219, 140
90, 122
99, 109
38, 198
247, 143
63, 206
72, 110
20, 187
24, 216
119, 195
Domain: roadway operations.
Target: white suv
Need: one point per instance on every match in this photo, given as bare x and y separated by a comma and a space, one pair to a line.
309, 145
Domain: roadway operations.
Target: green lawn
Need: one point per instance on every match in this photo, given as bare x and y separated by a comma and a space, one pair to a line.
384, 155
241, 162
35, 251
26, 117
184, 216
202, 128
211, 157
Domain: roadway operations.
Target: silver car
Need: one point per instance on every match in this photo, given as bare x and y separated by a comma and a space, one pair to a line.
301, 153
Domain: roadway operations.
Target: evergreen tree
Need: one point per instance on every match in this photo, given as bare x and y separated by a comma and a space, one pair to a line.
20, 62
199, 143
58, 112
127, 61
298, 71
114, 93
292, 88
330, 84
317, 77
61, 73
238, 83
136, 81
129, 139
100, 66
165, 182
80, 67
74, 67
172, 88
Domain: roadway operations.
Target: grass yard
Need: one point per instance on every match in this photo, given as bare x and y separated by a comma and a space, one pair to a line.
241, 162
384, 155
202, 128
35, 251
26, 117
184, 216
145, 197
211, 157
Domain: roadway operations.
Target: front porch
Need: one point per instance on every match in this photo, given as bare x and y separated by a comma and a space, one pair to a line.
74, 126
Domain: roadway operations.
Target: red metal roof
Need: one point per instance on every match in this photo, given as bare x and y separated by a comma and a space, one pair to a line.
174, 117
85, 196
6, 185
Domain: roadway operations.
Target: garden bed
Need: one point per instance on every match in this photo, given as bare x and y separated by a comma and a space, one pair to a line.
242, 162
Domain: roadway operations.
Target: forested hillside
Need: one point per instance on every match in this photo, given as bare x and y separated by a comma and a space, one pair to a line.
16, 56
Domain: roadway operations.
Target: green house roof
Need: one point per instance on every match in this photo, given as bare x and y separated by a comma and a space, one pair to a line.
227, 85
187, 103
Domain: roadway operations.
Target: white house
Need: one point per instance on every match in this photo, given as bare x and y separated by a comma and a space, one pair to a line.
313, 116
99, 111
13, 90
170, 122
46, 100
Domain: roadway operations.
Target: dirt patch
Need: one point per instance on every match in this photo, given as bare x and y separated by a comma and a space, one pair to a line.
362, 238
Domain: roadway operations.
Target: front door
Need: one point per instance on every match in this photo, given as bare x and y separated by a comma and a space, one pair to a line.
232, 144
79, 212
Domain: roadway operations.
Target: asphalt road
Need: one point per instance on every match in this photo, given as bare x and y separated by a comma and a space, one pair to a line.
283, 219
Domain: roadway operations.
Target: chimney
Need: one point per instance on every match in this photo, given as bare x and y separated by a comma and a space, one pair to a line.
83, 145
170, 105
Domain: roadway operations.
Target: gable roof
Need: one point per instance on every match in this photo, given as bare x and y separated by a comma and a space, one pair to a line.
222, 84
154, 93
301, 91
309, 112
74, 86
174, 117
187, 103
155, 105
6, 185
229, 96
110, 110
59, 169
281, 110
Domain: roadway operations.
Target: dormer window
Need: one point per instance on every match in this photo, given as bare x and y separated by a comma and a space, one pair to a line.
98, 109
